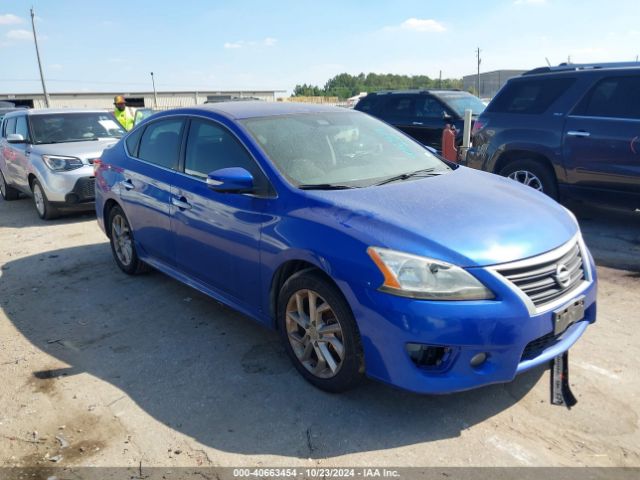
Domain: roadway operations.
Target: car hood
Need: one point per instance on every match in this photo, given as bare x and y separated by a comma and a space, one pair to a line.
466, 217
84, 150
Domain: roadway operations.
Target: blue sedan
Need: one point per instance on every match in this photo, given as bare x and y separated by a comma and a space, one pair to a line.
369, 254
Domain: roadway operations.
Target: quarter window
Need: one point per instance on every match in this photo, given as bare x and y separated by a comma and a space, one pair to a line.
612, 97
160, 143
529, 96
21, 126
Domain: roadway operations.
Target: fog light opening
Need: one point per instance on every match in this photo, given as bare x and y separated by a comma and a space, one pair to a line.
427, 355
478, 359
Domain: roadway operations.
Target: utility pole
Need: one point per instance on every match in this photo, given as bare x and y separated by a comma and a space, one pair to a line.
35, 39
478, 76
155, 95
440, 80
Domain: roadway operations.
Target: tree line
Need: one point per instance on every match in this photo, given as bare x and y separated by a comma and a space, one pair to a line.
345, 85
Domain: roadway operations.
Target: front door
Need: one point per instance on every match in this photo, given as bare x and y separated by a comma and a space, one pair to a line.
217, 235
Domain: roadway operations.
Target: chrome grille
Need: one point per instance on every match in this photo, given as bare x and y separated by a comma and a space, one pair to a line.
544, 282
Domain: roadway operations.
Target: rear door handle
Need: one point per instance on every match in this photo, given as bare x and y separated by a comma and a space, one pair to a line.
577, 133
417, 123
127, 184
181, 203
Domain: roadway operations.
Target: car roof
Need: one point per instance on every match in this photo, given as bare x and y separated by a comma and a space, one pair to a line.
251, 109
582, 67
56, 111
416, 91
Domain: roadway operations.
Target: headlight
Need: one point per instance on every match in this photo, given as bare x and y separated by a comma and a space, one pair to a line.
419, 277
58, 163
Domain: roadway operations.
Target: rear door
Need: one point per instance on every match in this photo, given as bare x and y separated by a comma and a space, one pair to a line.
145, 189
602, 138
218, 234
429, 121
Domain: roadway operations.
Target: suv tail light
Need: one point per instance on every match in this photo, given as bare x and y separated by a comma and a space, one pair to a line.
96, 164
478, 125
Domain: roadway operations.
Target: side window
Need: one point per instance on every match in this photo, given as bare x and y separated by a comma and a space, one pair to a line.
211, 147
160, 143
431, 108
400, 106
612, 97
10, 126
21, 126
529, 96
367, 103
132, 142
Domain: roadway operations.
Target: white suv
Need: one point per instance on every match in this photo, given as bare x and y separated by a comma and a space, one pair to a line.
48, 154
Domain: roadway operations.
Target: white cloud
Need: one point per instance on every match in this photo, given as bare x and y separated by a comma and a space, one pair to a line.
267, 42
19, 35
9, 19
419, 25
530, 2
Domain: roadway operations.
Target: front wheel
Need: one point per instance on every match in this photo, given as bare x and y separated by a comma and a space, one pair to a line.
45, 210
122, 244
532, 174
319, 332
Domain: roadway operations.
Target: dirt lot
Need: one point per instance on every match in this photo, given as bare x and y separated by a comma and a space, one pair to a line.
98, 368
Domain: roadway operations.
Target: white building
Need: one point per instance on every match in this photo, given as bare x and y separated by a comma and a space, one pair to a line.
166, 100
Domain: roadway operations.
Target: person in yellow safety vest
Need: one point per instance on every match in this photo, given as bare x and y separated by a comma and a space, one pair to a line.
122, 113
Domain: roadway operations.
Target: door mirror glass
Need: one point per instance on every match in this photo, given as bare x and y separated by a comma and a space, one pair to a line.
231, 180
15, 138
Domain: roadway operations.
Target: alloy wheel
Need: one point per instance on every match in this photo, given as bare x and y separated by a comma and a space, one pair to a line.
315, 333
3, 186
527, 178
38, 198
122, 241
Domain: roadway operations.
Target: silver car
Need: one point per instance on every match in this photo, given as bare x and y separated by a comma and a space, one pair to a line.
48, 154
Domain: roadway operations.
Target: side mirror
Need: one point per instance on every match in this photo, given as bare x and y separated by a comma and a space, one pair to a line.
231, 180
445, 116
15, 138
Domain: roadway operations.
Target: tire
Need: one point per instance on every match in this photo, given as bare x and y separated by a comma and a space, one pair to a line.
533, 174
122, 245
45, 210
328, 352
7, 192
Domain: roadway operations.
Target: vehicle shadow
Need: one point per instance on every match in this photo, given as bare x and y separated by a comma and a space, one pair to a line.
209, 372
22, 213
613, 236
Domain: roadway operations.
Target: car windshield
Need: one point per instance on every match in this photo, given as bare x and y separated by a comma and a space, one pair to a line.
462, 101
74, 127
348, 149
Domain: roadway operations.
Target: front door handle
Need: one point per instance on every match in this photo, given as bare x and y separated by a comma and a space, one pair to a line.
577, 133
417, 123
127, 184
181, 203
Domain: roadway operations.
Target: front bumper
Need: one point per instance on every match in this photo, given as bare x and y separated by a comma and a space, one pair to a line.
72, 189
514, 338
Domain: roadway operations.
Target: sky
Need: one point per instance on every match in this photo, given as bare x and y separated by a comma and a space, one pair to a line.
197, 45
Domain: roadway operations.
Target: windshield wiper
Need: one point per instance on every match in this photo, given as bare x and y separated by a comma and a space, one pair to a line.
323, 186
427, 172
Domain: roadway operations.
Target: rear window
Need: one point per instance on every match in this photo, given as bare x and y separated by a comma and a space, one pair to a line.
529, 96
367, 103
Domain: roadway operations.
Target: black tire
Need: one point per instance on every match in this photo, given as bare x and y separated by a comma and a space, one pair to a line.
351, 367
129, 262
7, 192
45, 210
544, 179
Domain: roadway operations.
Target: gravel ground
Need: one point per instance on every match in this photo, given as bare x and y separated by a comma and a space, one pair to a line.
102, 369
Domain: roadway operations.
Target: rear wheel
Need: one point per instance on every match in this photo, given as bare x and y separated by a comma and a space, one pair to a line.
45, 210
319, 332
122, 244
7, 192
532, 174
